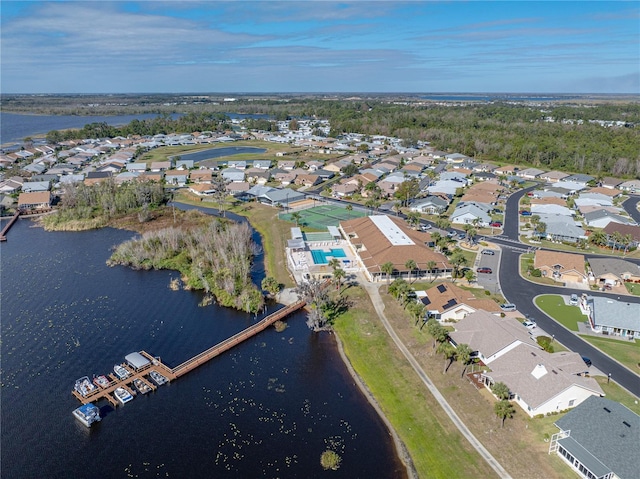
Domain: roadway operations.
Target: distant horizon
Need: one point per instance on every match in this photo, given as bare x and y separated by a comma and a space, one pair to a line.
341, 93
401, 47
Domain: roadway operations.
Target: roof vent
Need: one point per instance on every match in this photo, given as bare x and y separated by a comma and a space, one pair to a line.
626, 423
606, 409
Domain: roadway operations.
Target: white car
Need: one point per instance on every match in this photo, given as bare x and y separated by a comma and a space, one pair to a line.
573, 301
508, 307
529, 324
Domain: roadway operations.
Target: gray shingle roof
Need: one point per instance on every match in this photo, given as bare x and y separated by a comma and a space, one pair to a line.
598, 426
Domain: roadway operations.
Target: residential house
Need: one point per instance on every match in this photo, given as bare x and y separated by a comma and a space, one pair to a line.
308, 180
603, 190
126, 176
201, 176
471, 213
184, 164
570, 187
530, 173
137, 167
562, 228
431, 205
343, 190
232, 175
447, 302
33, 186
262, 164
566, 267
610, 183
552, 176
238, 188
379, 239
93, 177
599, 439
160, 166
623, 230
34, 200
176, 177
601, 218
550, 209
610, 317
631, 186
611, 272
202, 189
580, 178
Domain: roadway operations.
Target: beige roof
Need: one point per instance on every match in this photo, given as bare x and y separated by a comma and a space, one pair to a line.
612, 192
376, 249
488, 334
549, 200
34, 198
446, 296
566, 261
537, 376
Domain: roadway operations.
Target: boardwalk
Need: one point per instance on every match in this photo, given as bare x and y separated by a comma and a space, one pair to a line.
156, 364
5, 230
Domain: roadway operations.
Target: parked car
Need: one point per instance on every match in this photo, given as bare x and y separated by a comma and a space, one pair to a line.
525, 213
496, 224
573, 300
490, 252
451, 234
484, 269
462, 236
529, 324
587, 361
508, 307
425, 226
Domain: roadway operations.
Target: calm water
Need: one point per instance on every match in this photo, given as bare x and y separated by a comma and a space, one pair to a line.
268, 408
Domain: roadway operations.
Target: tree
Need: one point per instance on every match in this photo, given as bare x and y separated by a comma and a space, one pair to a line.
457, 260
464, 353
503, 410
413, 218
387, 269
296, 216
431, 266
349, 208
334, 263
501, 390
270, 285
598, 238
410, 265
449, 352
407, 190
470, 276
338, 275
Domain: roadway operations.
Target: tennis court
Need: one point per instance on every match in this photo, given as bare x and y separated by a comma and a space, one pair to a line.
319, 217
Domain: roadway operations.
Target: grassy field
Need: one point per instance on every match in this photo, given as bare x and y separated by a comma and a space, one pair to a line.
431, 439
555, 306
633, 288
626, 352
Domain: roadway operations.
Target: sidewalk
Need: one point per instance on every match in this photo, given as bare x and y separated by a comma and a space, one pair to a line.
374, 293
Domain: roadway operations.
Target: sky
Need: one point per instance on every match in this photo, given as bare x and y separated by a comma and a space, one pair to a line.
320, 46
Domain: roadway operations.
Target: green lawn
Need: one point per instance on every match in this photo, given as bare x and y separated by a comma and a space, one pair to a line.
626, 352
554, 306
616, 393
633, 288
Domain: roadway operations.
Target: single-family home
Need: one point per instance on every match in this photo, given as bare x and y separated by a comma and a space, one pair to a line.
550, 209
579, 178
471, 213
610, 317
232, 175
184, 164
176, 177
552, 176
530, 173
160, 165
610, 182
34, 200
431, 205
138, 167
33, 186
201, 176
565, 267
611, 272
601, 218
599, 439
447, 302
631, 186
93, 177
624, 230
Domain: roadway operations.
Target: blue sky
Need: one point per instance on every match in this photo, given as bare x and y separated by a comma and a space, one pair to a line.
320, 46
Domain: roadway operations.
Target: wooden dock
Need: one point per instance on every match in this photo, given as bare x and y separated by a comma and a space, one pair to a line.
5, 230
155, 364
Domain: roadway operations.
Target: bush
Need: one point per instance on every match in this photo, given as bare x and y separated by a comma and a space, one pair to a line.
545, 343
330, 460
536, 273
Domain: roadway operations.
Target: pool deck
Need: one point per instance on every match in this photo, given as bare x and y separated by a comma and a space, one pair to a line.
301, 262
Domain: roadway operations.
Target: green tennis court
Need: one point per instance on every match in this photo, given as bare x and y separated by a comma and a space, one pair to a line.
319, 217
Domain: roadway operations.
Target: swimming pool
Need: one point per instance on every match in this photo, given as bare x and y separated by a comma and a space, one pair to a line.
323, 257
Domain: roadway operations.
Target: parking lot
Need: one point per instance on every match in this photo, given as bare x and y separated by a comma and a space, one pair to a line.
488, 280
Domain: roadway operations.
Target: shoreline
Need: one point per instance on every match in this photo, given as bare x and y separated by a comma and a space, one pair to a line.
401, 450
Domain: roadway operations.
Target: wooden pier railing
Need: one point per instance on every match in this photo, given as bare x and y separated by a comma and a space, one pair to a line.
5, 230
236, 339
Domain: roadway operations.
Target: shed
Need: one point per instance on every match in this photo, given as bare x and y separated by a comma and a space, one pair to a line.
296, 233
136, 361
333, 231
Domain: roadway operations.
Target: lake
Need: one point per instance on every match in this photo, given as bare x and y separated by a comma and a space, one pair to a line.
267, 408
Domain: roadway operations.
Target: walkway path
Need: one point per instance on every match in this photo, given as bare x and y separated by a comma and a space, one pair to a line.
376, 299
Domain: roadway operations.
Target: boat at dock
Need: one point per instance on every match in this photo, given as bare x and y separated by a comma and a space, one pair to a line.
121, 372
84, 386
158, 378
141, 386
87, 414
123, 395
101, 381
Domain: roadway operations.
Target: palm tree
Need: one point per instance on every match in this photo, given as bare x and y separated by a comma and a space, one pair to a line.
295, 216
598, 238
387, 268
617, 240
435, 237
339, 274
433, 328
464, 353
431, 265
334, 264
449, 353
413, 217
626, 241
349, 208
410, 265
458, 259
503, 410
501, 390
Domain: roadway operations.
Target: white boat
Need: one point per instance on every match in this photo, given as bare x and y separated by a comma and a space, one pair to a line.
101, 381
121, 372
84, 386
158, 378
87, 414
123, 395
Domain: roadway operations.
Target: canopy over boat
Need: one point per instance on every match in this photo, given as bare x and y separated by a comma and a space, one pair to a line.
136, 360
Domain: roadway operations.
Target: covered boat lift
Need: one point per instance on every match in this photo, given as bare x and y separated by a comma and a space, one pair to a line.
137, 361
